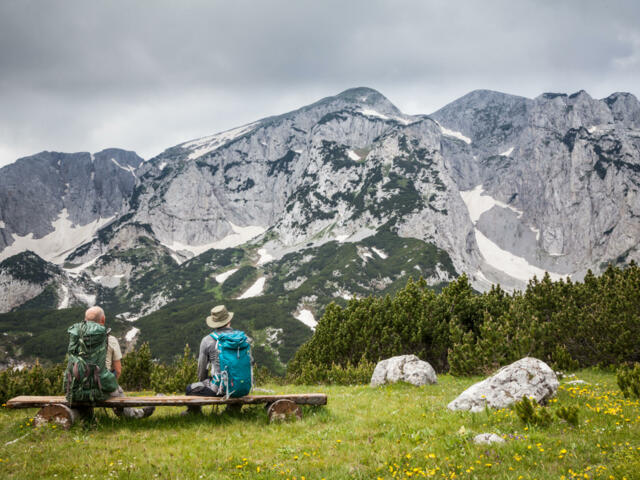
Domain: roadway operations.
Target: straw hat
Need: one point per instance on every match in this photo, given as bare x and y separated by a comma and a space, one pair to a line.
220, 316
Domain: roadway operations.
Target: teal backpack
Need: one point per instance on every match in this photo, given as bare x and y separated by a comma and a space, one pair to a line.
86, 378
234, 354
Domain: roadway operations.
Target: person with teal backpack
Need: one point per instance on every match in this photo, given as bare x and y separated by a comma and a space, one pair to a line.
228, 352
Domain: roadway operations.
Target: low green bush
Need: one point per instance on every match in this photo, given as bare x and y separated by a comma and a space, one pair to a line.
175, 377
628, 379
358, 374
137, 368
37, 380
568, 414
531, 413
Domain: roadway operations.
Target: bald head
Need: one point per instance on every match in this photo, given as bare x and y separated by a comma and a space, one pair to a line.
95, 314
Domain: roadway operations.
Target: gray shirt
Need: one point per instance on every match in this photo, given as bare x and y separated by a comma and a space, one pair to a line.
208, 355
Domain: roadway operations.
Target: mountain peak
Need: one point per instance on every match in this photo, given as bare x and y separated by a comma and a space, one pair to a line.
361, 95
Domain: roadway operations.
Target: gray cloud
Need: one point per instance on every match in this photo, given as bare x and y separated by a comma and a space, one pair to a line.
144, 75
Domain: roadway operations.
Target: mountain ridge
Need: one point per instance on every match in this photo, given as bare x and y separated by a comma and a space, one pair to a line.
503, 187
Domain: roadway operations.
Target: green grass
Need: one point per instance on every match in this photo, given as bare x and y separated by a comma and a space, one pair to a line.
397, 431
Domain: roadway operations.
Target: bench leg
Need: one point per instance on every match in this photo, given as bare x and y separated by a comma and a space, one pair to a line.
284, 409
57, 413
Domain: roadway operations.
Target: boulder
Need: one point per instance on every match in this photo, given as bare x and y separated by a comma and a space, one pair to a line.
404, 368
528, 377
487, 438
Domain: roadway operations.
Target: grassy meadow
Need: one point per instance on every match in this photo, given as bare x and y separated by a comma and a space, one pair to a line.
397, 431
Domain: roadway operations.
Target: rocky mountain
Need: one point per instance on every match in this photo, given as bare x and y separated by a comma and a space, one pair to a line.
347, 196
51, 202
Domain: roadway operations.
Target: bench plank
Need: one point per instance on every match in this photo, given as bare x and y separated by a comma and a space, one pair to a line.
26, 401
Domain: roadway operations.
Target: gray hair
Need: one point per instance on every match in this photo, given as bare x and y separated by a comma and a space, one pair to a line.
94, 314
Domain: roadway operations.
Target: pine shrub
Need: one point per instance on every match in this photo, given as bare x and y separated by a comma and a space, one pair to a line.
531, 413
37, 380
569, 414
174, 378
136, 369
629, 380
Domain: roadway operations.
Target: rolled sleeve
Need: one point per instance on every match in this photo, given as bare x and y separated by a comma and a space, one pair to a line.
203, 361
114, 353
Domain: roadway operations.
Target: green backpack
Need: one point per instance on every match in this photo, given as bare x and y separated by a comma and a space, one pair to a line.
87, 378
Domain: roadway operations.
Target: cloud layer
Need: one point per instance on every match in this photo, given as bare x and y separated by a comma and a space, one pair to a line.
142, 75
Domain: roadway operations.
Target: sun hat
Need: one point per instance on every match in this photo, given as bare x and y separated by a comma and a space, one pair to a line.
220, 316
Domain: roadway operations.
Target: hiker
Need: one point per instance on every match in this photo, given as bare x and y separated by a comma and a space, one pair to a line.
235, 377
113, 363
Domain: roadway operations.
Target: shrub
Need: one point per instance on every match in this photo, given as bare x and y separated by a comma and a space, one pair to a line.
569, 414
349, 374
629, 380
262, 376
36, 380
531, 413
136, 369
174, 378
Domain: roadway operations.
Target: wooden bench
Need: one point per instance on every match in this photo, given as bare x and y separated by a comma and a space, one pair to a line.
57, 409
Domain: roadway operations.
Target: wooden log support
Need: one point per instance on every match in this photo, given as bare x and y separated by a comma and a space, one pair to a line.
58, 414
283, 409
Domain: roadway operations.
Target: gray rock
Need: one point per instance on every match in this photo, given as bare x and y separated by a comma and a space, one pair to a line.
528, 377
403, 368
487, 438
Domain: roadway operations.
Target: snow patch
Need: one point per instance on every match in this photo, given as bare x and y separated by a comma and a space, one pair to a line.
128, 168
162, 165
223, 276
380, 253
342, 238
254, 290
306, 317
240, 236
2, 225
54, 246
131, 334
453, 133
373, 113
507, 152
353, 155
265, 257
478, 202
507, 262
64, 303
205, 145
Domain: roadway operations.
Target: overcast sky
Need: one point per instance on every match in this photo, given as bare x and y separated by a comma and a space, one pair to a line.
145, 75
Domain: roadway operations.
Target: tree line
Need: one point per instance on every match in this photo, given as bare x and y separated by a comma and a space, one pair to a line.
567, 324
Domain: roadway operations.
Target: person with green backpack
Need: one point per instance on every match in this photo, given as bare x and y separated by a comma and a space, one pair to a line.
94, 364
228, 353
